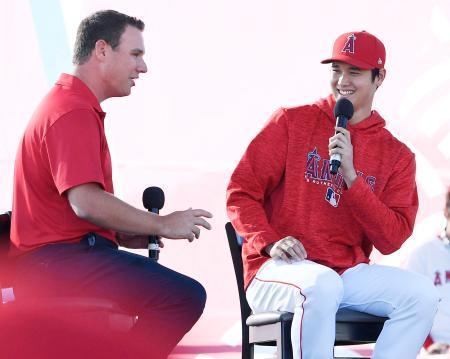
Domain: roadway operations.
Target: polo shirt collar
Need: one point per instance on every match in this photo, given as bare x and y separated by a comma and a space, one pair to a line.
76, 85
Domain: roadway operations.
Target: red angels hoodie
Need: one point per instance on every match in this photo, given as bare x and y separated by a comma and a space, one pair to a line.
283, 187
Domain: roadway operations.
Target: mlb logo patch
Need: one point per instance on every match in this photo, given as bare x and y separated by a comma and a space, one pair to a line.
332, 197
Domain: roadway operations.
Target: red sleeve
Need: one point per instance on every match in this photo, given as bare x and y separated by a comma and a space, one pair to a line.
256, 176
72, 146
388, 220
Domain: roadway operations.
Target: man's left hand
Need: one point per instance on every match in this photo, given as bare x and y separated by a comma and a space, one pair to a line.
341, 143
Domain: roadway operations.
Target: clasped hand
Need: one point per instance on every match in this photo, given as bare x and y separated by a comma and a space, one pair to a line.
288, 249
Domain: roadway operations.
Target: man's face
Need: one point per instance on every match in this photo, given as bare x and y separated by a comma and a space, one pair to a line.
354, 84
124, 63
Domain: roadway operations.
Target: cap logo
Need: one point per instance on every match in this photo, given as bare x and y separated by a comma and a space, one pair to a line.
350, 44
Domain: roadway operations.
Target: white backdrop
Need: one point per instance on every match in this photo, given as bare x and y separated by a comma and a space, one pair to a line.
217, 70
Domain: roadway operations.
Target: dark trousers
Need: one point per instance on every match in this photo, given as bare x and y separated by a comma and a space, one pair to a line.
166, 303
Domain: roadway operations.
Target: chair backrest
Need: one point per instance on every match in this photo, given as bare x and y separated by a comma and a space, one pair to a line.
235, 243
5, 226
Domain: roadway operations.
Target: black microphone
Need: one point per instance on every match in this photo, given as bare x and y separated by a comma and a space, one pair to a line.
343, 111
153, 200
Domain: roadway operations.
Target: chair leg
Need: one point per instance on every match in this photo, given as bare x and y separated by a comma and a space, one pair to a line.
286, 350
284, 346
247, 347
247, 350
251, 352
285, 339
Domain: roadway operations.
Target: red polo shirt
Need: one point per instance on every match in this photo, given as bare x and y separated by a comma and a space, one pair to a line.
63, 146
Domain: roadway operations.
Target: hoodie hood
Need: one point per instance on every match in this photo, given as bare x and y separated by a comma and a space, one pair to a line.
368, 126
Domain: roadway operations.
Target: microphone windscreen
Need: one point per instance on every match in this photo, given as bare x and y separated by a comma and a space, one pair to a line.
153, 197
343, 108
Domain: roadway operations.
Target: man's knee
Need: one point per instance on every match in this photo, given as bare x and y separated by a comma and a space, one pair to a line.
197, 297
427, 298
326, 293
193, 298
422, 297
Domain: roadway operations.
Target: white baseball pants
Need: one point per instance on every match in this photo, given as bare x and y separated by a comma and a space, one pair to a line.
314, 293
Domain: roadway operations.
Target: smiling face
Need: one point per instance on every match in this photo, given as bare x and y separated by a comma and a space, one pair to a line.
123, 64
356, 85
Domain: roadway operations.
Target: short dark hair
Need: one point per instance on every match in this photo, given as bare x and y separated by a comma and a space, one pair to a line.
375, 73
107, 25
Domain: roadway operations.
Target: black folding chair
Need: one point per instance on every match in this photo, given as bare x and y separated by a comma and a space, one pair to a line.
274, 328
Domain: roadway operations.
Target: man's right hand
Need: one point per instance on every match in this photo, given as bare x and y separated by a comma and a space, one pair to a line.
184, 224
91, 203
288, 249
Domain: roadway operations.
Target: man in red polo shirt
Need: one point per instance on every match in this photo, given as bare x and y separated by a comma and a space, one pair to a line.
66, 221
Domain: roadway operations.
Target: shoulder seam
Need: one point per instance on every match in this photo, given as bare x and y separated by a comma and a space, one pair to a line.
60, 117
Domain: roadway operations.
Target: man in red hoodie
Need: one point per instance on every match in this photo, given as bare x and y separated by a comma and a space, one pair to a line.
308, 233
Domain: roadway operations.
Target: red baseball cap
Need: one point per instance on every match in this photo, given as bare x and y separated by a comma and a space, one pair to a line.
359, 49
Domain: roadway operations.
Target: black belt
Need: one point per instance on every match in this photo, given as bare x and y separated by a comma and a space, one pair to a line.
94, 240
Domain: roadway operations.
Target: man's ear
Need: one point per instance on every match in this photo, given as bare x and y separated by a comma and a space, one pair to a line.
100, 49
380, 78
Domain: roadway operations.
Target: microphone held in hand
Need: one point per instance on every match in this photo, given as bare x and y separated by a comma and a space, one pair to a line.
153, 200
343, 111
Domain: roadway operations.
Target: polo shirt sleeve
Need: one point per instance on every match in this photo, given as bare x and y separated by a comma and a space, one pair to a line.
73, 147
